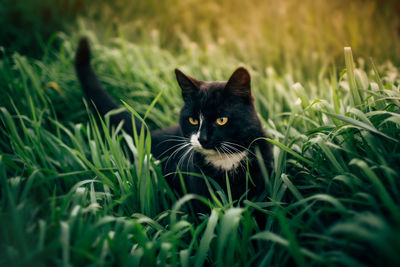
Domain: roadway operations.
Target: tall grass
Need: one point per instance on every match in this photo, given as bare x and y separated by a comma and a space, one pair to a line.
74, 192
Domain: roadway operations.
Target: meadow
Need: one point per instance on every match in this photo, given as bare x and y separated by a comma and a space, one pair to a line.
325, 79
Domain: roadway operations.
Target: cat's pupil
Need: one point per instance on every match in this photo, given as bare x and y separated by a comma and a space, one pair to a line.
222, 120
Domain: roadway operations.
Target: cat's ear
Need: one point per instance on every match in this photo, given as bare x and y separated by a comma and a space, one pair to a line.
239, 83
190, 86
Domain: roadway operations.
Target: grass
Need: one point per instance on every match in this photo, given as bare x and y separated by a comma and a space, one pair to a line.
74, 192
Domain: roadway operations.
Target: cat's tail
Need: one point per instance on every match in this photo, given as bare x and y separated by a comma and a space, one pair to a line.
95, 93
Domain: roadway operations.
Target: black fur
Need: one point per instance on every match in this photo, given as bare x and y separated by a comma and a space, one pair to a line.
230, 99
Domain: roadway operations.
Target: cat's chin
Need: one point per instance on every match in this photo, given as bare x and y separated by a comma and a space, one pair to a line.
205, 152
222, 161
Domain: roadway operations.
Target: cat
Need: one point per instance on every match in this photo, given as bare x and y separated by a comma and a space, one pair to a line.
217, 134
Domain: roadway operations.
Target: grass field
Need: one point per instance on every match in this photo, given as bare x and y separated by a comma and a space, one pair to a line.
75, 193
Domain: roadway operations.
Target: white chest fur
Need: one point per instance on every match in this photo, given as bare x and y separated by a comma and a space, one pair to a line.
226, 162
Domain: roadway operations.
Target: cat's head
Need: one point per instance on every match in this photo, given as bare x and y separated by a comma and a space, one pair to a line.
219, 116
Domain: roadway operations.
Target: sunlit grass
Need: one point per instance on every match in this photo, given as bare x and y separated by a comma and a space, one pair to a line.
72, 192
75, 192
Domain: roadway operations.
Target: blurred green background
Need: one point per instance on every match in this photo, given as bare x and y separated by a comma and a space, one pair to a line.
295, 36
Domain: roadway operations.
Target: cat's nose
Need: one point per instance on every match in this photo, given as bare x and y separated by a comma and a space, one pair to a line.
203, 140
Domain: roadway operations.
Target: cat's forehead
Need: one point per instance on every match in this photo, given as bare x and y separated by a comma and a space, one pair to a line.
212, 86
211, 99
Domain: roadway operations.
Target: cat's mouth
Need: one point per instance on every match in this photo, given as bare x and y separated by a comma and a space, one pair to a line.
223, 149
194, 141
219, 159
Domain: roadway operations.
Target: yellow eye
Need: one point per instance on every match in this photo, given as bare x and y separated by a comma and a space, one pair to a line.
222, 120
193, 121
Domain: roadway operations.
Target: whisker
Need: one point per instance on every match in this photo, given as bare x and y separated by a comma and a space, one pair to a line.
231, 145
176, 138
234, 155
171, 148
180, 148
231, 149
230, 153
181, 160
190, 158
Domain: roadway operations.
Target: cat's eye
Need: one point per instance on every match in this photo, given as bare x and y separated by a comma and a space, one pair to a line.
222, 120
193, 121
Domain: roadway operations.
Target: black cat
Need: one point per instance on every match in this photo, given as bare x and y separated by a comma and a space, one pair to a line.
217, 134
